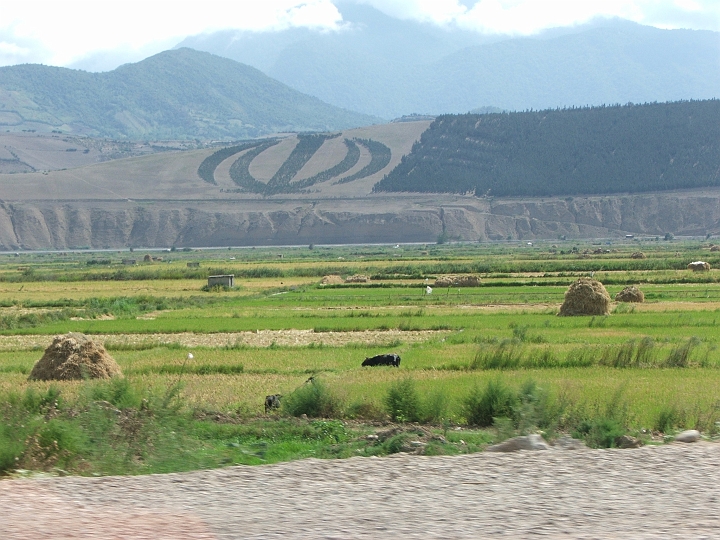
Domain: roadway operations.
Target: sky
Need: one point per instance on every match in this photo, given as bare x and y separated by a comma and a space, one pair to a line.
70, 32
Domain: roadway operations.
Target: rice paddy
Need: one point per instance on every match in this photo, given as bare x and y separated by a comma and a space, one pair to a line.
242, 351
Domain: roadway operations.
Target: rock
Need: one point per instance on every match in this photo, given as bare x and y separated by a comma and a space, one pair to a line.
688, 436
528, 442
626, 441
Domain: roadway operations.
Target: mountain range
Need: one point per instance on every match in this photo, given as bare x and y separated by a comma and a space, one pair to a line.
388, 67
178, 94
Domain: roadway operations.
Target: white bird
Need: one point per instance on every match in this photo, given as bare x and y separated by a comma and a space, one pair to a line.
428, 290
190, 356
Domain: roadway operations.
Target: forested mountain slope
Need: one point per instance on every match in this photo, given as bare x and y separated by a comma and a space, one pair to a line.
618, 149
179, 94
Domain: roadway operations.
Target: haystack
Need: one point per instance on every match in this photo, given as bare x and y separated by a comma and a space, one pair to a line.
714, 248
357, 278
332, 279
638, 255
74, 357
699, 266
630, 294
586, 297
457, 281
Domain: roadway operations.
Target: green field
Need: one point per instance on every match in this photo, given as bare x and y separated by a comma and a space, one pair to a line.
646, 369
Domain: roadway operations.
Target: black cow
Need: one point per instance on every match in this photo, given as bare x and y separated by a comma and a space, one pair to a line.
383, 360
272, 402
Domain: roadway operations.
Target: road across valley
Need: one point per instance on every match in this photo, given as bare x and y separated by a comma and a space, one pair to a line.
652, 492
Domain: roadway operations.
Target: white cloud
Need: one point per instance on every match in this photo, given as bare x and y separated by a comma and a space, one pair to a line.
63, 33
70, 30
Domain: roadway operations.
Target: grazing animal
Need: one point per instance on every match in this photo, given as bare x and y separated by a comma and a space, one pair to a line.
272, 402
383, 360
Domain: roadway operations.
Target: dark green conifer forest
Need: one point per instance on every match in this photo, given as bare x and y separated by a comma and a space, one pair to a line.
595, 150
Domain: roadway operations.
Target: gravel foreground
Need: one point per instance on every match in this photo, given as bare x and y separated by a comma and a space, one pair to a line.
672, 491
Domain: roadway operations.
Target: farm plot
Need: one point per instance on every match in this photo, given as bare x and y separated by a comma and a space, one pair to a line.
646, 369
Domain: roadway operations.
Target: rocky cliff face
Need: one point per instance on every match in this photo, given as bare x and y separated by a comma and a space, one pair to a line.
47, 225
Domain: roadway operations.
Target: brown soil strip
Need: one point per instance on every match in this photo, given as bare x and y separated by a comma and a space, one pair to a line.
261, 338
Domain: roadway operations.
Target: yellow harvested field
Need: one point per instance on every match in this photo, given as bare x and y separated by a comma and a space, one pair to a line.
261, 338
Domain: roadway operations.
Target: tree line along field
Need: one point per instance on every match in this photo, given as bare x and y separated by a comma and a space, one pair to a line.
646, 369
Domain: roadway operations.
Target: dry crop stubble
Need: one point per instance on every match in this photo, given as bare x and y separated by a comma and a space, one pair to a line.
37, 291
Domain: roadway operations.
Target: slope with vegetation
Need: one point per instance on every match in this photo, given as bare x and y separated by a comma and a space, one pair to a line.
633, 148
179, 94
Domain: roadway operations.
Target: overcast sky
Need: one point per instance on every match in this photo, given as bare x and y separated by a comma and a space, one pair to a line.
62, 33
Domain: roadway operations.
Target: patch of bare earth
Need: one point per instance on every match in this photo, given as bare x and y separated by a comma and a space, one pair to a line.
261, 338
652, 492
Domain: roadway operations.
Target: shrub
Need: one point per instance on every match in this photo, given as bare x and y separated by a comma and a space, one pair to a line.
117, 391
11, 447
481, 407
402, 401
667, 419
435, 406
599, 433
313, 399
535, 408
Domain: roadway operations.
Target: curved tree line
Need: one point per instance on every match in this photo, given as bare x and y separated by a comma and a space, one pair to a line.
379, 158
206, 170
349, 161
240, 170
305, 149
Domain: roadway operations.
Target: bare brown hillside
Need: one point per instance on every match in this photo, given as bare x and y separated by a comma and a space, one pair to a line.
32, 152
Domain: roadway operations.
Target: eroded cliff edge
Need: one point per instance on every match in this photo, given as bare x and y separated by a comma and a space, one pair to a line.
403, 218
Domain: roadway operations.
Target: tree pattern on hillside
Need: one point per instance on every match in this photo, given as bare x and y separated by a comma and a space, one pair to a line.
307, 146
379, 158
305, 149
350, 160
206, 170
595, 150
240, 170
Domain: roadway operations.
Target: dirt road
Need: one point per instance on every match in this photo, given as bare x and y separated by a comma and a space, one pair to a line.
662, 492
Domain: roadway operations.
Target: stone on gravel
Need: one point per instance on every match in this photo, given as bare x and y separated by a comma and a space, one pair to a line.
688, 436
626, 441
527, 442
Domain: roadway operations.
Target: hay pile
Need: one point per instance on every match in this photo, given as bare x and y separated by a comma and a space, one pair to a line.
74, 357
699, 266
638, 255
630, 294
714, 248
457, 281
586, 297
332, 279
357, 278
